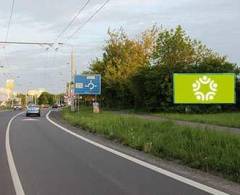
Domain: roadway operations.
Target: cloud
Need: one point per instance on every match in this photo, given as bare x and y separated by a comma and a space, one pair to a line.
213, 22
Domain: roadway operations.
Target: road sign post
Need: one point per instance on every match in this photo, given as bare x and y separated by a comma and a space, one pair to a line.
72, 97
88, 85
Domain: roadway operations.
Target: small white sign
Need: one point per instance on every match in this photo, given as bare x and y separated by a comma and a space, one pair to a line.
79, 85
91, 77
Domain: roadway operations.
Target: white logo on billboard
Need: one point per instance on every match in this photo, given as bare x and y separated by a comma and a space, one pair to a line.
201, 82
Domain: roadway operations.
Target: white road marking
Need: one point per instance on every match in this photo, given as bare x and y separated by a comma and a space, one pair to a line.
15, 177
30, 119
142, 163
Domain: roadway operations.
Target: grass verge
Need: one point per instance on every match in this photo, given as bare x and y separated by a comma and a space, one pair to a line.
208, 150
222, 119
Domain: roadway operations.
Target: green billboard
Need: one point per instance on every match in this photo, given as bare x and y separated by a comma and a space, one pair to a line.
204, 88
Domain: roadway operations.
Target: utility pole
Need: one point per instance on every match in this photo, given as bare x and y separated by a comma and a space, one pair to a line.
26, 100
73, 73
73, 65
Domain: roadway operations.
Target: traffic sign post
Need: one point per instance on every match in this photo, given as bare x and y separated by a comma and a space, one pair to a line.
89, 85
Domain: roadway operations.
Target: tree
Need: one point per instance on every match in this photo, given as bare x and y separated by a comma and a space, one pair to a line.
176, 52
174, 48
138, 72
23, 98
122, 58
46, 98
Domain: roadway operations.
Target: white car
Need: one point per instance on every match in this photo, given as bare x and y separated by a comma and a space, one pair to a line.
33, 110
17, 107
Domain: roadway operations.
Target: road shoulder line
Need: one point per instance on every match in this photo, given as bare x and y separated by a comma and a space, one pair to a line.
14, 174
142, 163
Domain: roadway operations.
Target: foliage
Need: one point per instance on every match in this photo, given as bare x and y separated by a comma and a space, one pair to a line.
208, 150
122, 58
23, 98
137, 73
46, 98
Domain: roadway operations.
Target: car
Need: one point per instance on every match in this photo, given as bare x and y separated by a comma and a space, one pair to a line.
55, 106
17, 107
44, 106
33, 110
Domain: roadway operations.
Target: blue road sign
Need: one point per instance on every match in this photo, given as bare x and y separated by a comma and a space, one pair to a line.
88, 84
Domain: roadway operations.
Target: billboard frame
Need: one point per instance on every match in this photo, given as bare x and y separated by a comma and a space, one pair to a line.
202, 103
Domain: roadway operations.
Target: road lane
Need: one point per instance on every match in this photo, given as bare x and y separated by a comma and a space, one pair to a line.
50, 161
6, 185
14, 174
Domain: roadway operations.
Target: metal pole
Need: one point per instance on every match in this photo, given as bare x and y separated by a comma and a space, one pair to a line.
26, 100
78, 103
73, 73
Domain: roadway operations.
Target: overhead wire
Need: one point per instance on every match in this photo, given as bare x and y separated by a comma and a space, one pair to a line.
8, 29
10, 19
89, 19
73, 19
68, 26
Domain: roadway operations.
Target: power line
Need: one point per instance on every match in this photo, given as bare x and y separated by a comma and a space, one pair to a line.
89, 19
8, 28
10, 19
29, 43
73, 19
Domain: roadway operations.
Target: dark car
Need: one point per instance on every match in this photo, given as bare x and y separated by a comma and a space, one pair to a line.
55, 106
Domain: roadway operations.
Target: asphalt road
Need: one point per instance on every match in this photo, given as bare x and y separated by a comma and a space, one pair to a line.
51, 161
6, 185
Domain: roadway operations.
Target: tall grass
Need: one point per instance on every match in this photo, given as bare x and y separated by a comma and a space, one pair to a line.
223, 119
208, 150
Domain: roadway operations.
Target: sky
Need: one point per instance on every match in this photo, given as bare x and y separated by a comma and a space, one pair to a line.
215, 23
